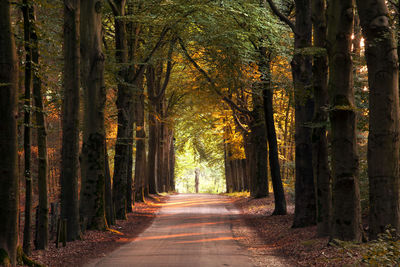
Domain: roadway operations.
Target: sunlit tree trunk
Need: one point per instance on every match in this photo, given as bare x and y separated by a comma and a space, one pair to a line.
8, 140
322, 174
346, 216
70, 120
383, 139
92, 208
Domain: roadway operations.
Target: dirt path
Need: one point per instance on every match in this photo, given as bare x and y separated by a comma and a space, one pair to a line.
190, 230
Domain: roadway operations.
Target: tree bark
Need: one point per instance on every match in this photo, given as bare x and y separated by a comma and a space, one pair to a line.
140, 161
92, 208
110, 213
279, 194
27, 129
304, 214
322, 174
70, 120
43, 220
383, 139
124, 105
258, 138
196, 179
9, 188
153, 135
172, 162
346, 217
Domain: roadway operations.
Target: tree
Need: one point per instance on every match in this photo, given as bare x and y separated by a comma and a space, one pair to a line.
305, 213
26, 10
140, 158
70, 120
92, 206
346, 217
43, 220
8, 140
124, 106
279, 194
322, 173
383, 138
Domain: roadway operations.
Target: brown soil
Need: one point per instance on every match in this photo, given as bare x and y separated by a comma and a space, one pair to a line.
96, 244
273, 242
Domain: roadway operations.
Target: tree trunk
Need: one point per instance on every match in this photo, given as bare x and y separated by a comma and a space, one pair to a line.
153, 136
43, 220
92, 208
110, 213
383, 139
346, 217
124, 103
8, 140
279, 194
129, 181
172, 162
304, 214
140, 161
258, 138
196, 179
70, 120
322, 174
27, 129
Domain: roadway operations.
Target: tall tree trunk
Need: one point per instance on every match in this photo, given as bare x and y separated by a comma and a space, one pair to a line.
322, 174
70, 120
172, 162
383, 139
279, 194
43, 220
196, 179
92, 208
259, 158
8, 140
27, 128
228, 178
304, 214
153, 136
140, 161
346, 217
124, 103
129, 177
110, 213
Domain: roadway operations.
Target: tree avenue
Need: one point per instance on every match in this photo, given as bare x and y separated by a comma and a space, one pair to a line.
120, 101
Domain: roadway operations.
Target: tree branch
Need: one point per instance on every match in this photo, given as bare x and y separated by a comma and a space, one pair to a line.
229, 101
282, 17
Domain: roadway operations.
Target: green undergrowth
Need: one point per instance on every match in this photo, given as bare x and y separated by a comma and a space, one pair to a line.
385, 251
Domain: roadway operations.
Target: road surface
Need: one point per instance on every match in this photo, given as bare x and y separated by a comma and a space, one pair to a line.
190, 230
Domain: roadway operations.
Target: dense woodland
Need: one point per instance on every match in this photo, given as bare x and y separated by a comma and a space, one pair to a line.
105, 102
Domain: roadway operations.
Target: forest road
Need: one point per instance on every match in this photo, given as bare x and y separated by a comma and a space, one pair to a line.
190, 230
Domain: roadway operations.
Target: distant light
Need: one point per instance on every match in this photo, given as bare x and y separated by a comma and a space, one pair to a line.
362, 43
365, 89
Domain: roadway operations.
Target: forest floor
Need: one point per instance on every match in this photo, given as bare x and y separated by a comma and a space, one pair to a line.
95, 244
267, 236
